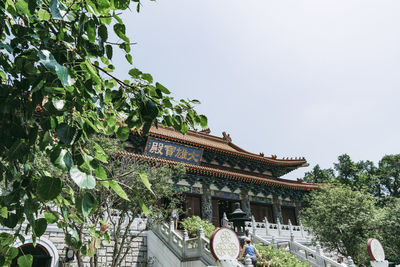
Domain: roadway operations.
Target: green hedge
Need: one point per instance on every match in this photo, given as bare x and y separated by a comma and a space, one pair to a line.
192, 225
278, 258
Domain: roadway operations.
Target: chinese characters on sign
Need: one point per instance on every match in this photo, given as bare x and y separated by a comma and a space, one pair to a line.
172, 151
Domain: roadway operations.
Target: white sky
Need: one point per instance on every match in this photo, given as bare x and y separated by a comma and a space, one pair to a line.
293, 78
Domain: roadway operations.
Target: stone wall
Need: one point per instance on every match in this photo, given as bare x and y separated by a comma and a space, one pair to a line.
53, 241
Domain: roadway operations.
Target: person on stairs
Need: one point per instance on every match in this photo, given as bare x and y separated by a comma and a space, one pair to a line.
248, 248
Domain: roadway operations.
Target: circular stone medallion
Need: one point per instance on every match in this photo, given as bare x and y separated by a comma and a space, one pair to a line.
375, 250
225, 244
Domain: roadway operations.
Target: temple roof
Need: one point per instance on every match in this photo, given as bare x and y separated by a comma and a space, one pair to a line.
225, 173
224, 144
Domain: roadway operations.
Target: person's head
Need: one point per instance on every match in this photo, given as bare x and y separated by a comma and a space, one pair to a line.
247, 240
340, 260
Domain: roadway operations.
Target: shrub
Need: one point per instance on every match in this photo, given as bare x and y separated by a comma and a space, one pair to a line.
278, 258
192, 225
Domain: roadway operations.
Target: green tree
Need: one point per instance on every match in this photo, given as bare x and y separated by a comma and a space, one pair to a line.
57, 90
361, 175
389, 175
111, 215
318, 175
390, 229
342, 220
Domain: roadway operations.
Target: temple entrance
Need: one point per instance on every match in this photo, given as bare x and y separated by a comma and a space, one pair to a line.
41, 257
261, 211
289, 213
219, 206
192, 206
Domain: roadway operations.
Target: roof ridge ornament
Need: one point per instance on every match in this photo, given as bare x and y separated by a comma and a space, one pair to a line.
206, 131
226, 137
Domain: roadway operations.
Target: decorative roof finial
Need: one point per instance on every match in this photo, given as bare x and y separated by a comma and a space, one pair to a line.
206, 131
226, 137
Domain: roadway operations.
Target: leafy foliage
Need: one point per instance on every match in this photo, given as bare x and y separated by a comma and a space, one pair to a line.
382, 181
342, 220
272, 257
390, 229
57, 90
192, 225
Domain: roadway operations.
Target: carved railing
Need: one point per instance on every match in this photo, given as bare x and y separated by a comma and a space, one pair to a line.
266, 228
272, 230
183, 247
315, 258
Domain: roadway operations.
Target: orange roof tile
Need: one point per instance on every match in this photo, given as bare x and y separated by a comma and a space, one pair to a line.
218, 143
225, 173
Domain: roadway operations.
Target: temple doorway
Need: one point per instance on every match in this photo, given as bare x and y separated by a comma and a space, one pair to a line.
289, 213
41, 257
219, 207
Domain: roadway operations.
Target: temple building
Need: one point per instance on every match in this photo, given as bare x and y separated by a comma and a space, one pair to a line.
219, 173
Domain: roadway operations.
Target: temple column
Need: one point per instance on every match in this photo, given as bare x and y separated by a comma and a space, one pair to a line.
206, 204
297, 209
276, 208
245, 202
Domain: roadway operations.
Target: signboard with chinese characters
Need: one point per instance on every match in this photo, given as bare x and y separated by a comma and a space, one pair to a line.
173, 151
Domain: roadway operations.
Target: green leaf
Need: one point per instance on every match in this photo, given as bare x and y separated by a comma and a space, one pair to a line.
6, 239
118, 189
100, 173
25, 260
92, 71
4, 212
203, 121
49, 188
120, 30
89, 204
100, 154
129, 58
50, 217
83, 180
59, 11
135, 73
109, 51
147, 77
123, 133
145, 180
43, 15
91, 31
66, 133
48, 60
143, 207
11, 253
40, 227
162, 88
103, 33
22, 6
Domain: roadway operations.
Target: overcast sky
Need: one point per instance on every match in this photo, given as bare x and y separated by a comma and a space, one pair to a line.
293, 78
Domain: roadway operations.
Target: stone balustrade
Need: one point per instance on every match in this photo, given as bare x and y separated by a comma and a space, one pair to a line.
185, 248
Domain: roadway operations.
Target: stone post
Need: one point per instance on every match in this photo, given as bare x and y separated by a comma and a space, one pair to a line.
253, 225
279, 226
185, 239
350, 262
206, 204
245, 202
266, 226
247, 261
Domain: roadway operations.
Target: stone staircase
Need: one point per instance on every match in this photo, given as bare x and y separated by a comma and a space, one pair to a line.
168, 247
